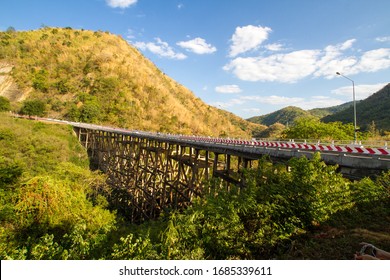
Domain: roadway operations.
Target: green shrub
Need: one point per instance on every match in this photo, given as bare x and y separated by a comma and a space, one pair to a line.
131, 248
5, 104
10, 172
33, 108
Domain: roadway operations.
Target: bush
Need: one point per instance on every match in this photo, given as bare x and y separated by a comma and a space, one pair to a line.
40, 81
33, 108
5, 104
313, 128
90, 112
10, 172
131, 248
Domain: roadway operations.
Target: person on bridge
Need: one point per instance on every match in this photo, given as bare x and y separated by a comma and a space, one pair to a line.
370, 252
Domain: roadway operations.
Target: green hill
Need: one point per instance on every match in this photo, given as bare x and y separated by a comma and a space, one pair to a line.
288, 114
284, 116
98, 77
375, 108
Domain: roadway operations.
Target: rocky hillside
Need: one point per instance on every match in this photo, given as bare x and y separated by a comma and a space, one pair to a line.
8, 88
98, 77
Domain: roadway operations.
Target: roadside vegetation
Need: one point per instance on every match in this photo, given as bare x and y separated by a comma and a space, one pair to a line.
312, 128
52, 207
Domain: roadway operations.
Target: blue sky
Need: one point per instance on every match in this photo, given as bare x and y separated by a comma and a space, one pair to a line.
250, 57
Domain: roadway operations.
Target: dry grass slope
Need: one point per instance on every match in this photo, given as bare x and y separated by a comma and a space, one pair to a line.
98, 77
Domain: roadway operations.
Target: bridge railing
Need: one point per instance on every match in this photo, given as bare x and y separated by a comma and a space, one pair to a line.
292, 144
363, 143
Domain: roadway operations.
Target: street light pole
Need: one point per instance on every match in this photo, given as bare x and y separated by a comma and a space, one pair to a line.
354, 107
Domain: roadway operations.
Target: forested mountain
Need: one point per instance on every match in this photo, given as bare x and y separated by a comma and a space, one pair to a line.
289, 114
374, 109
98, 77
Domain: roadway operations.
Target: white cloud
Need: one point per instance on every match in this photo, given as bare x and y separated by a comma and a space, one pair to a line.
130, 34
248, 38
374, 60
361, 91
306, 104
331, 59
197, 45
383, 39
274, 99
252, 110
288, 67
228, 89
160, 48
120, 3
274, 47
369, 61
293, 66
228, 104
319, 102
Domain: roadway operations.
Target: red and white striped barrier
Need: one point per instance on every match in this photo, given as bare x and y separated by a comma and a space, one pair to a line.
293, 145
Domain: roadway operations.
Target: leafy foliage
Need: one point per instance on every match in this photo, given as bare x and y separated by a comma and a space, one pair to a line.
5, 104
131, 248
33, 108
50, 203
247, 223
9, 172
313, 128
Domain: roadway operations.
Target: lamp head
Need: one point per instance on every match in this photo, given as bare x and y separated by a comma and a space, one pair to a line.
338, 73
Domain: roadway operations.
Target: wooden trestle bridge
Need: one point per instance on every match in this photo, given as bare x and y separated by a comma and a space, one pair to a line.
151, 172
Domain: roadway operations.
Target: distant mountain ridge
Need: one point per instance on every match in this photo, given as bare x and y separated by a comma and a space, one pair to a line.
375, 108
98, 77
289, 114
284, 116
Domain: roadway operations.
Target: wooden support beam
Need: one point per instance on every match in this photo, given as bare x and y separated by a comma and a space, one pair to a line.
148, 176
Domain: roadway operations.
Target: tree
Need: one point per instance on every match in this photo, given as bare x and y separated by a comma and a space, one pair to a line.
313, 128
372, 129
40, 81
33, 108
11, 29
90, 111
